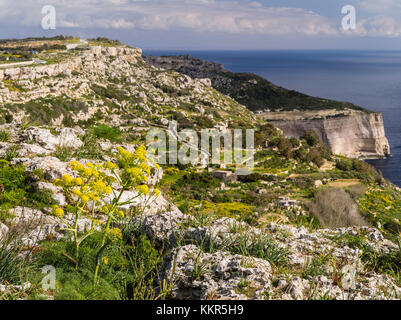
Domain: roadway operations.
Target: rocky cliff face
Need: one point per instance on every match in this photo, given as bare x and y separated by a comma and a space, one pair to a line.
353, 134
360, 134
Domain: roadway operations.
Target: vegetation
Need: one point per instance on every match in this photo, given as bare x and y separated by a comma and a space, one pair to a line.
17, 189
335, 208
88, 191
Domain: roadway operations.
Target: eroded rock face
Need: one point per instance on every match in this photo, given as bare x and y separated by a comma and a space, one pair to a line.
356, 135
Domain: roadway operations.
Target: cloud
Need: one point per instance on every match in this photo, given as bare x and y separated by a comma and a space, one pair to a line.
197, 15
379, 26
379, 7
202, 16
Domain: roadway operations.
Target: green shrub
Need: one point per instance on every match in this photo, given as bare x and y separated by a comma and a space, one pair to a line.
105, 132
311, 138
18, 189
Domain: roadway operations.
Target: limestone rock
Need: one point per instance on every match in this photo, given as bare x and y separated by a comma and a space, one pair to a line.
198, 275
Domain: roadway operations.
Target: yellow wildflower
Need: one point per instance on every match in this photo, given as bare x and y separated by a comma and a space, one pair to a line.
105, 260
143, 189
58, 182
88, 172
78, 181
84, 198
145, 167
57, 211
74, 164
110, 165
116, 233
67, 179
80, 167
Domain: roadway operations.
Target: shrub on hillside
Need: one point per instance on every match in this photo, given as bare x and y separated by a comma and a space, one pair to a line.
335, 208
311, 138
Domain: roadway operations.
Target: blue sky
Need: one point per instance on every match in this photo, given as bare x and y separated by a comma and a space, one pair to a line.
213, 24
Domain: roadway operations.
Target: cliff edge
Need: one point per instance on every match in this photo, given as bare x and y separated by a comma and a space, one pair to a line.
345, 128
350, 133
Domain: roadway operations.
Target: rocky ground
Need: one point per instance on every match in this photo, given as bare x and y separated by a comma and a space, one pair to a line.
48, 116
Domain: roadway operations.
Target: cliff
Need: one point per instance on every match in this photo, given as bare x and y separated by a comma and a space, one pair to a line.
351, 133
72, 141
346, 128
248, 89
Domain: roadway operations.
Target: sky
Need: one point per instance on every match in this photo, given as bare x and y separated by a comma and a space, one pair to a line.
213, 24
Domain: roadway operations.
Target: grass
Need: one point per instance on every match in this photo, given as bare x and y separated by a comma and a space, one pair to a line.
10, 264
4, 136
130, 272
200, 268
262, 247
383, 205
18, 190
316, 267
64, 153
11, 153
90, 148
389, 263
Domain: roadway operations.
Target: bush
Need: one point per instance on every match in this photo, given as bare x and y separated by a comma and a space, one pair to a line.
335, 208
365, 170
253, 177
311, 138
344, 164
106, 132
18, 190
315, 157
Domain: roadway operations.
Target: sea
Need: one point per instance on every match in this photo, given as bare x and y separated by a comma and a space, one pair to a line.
370, 79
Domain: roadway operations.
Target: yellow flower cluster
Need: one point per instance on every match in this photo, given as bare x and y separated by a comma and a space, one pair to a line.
135, 169
57, 211
116, 234
91, 184
143, 188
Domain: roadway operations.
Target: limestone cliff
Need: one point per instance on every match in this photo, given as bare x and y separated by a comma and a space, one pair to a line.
346, 128
351, 133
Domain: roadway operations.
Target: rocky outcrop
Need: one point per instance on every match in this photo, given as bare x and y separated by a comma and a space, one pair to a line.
248, 89
354, 134
216, 260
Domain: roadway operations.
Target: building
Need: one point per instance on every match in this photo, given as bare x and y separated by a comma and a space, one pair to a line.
287, 202
226, 176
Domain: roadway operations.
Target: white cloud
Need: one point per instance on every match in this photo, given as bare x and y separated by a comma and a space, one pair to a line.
379, 26
197, 15
213, 16
379, 7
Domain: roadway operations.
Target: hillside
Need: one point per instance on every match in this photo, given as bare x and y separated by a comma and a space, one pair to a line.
80, 195
346, 129
250, 90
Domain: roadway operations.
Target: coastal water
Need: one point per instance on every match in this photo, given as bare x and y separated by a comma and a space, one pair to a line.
371, 79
